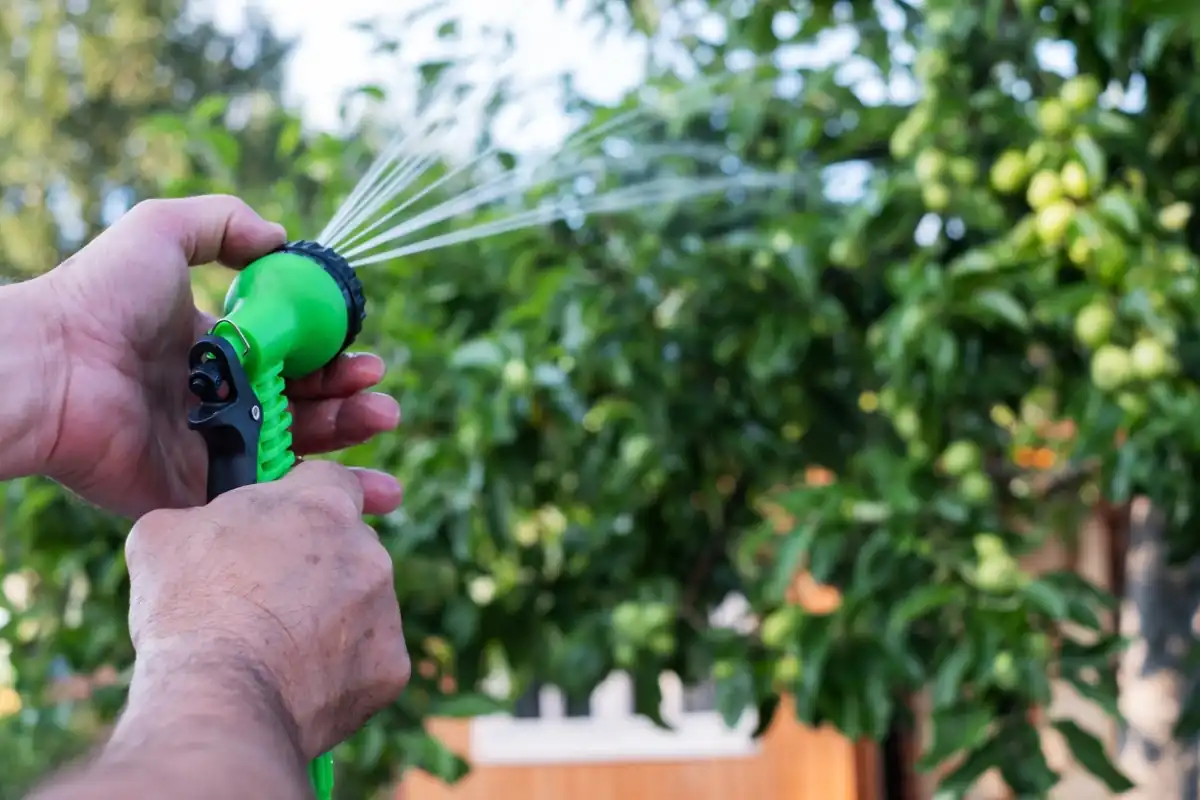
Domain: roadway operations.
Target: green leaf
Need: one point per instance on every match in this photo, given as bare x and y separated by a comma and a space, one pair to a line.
209, 108
978, 761
1001, 305
735, 693
466, 705
647, 696
816, 638
1048, 599
962, 727
790, 556
1092, 158
478, 353
916, 605
1118, 208
767, 707
949, 678
1089, 752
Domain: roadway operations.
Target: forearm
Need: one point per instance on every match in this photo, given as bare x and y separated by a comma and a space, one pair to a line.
193, 729
31, 390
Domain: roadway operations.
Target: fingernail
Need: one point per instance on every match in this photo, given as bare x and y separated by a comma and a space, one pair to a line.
282, 231
385, 406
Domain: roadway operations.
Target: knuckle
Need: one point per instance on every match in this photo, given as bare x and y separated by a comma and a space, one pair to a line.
153, 209
148, 532
328, 504
401, 668
378, 559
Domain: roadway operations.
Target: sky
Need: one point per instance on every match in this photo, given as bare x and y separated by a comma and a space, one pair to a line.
332, 57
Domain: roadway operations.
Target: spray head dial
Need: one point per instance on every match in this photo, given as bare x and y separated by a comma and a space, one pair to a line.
346, 278
295, 309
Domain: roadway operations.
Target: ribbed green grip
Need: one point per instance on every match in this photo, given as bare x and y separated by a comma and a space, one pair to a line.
275, 456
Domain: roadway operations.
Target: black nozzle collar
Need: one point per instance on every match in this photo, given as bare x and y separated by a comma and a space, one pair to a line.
347, 280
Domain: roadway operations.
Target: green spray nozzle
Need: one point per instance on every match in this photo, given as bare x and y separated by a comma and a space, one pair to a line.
286, 316
298, 307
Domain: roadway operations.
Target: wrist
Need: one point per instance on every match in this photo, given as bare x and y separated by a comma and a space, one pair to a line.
204, 691
33, 373
201, 722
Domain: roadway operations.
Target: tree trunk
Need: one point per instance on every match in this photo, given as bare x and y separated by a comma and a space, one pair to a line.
1157, 617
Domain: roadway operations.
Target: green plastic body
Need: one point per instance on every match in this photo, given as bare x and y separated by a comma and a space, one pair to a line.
286, 317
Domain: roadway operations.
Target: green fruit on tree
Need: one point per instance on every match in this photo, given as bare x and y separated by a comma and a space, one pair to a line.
960, 458
662, 643
1080, 252
1111, 367
907, 423
996, 574
848, 252
724, 670
1075, 180
778, 627
1004, 671
989, 544
787, 670
1009, 172
1080, 93
516, 374
1174, 217
1036, 154
929, 165
975, 487
1134, 405
1149, 358
1045, 187
1094, 324
1053, 117
1039, 646
936, 196
964, 171
1054, 221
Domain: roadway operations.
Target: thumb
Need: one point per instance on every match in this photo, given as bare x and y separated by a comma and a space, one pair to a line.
201, 229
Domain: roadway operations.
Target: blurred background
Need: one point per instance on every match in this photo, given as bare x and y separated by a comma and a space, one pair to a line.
879, 486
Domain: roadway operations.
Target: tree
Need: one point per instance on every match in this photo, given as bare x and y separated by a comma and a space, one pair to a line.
970, 320
81, 78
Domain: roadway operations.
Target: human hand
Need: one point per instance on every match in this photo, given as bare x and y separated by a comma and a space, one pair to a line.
283, 580
124, 319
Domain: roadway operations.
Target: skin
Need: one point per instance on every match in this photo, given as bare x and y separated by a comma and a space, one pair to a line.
104, 405
244, 673
265, 624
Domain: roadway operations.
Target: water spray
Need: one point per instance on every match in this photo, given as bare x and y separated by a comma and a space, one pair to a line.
292, 312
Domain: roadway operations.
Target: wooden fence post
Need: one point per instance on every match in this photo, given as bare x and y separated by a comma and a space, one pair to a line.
1157, 612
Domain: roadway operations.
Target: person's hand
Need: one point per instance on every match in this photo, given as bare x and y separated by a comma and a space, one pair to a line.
281, 580
124, 321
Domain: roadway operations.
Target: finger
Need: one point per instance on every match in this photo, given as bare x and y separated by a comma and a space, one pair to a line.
327, 425
349, 374
382, 493
201, 230
324, 474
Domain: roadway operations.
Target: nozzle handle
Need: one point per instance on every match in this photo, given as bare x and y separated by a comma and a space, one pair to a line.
229, 416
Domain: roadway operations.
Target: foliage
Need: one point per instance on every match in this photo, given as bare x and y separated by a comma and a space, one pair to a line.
898, 386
